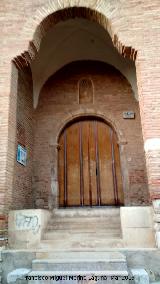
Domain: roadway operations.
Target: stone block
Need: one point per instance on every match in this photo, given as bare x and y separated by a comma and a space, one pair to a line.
137, 227
136, 217
25, 227
18, 276
14, 260
139, 238
156, 206
140, 276
157, 239
56, 265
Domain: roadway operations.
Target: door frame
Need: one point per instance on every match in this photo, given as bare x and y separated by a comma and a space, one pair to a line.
69, 119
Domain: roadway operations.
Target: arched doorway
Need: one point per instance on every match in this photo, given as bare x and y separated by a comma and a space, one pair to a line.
89, 165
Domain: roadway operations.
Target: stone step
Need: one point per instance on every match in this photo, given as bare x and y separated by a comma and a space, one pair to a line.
89, 229
86, 220
90, 223
78, 244
72, 235
54, 265
87, 212
87, 224
108, 255
103, 277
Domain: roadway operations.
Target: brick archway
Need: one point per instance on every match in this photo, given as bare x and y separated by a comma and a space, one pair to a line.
48, 16
71, 118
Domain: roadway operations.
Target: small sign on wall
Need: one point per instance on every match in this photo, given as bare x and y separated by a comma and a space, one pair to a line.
21, 155
128, 114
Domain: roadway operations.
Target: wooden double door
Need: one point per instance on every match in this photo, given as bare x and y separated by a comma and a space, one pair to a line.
89, 165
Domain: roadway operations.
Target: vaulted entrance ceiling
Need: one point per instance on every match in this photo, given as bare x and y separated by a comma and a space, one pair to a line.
77, 39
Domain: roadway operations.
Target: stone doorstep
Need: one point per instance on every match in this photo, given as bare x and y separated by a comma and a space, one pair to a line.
73, 260
51, 253
79, 266
81, 237
109, 255
88, 212
61, 235
96, 245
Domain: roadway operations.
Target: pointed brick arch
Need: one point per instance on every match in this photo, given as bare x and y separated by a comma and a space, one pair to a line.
54, 12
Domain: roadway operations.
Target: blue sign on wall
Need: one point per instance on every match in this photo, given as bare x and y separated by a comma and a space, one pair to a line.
21, 155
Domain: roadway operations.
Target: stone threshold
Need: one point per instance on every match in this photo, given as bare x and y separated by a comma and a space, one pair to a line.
86, 211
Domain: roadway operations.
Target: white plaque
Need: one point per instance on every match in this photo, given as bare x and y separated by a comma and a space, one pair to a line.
128, 114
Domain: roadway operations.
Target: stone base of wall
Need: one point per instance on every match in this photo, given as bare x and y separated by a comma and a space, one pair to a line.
156, 219
137, 227
25, 227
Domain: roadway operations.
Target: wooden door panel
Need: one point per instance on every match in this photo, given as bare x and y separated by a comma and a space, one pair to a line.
105, 162
92, 163
89, 165
86, 170
73, 166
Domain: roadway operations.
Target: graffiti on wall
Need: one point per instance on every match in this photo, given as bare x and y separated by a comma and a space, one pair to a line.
27, 222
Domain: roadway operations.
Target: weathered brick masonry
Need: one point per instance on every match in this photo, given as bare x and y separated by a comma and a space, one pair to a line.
22, 186
134, 29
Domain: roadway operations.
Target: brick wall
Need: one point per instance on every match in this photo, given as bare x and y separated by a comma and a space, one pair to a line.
59, 103
22, 186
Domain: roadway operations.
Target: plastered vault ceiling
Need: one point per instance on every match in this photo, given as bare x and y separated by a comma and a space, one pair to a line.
77, 39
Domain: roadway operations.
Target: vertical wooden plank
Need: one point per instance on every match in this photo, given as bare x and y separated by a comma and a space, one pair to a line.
120, 194
97, 163
61, 170
114, 168
73, 165
92, 154
81, 164
65, 169
85, 144
105, 164
89, 169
